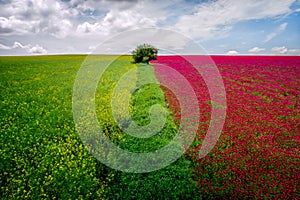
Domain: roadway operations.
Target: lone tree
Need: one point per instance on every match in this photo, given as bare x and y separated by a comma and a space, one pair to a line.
144, 53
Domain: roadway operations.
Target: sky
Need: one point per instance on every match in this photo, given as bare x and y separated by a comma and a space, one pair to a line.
233, 27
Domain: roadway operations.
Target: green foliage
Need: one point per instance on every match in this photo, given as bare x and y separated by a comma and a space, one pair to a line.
172, 182
144, 53
256, 94
143, 99
42, 155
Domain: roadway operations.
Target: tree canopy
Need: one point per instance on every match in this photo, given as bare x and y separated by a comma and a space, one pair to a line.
144, 53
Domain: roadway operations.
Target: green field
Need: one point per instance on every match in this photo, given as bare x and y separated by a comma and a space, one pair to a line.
42, 155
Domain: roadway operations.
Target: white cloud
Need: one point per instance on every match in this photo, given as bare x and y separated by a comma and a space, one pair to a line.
283, 26
116, 21
270, 36
61, 18
86, 27
294, 51
19, 45
121, 15
36, 16
256, 50
232, 52
36, 49
279, 50
13, 25
215, 18
81, 24
59, 29
105, 5
279, 29
285, 50
2, 46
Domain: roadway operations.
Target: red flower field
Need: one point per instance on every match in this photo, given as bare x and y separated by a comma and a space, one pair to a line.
257, 154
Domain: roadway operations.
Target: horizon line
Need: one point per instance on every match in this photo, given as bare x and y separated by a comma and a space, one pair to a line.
87, 54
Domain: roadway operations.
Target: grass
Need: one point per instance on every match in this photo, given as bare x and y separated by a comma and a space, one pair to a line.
42, 155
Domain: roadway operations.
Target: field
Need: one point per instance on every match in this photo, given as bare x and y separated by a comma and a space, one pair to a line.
257, 155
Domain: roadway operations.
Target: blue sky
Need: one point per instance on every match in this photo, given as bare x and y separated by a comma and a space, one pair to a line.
220, 26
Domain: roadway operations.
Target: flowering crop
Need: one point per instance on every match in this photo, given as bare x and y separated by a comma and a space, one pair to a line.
257, 155
42, 155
